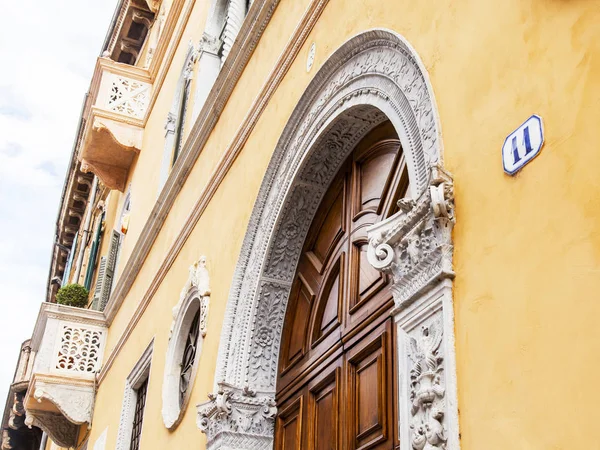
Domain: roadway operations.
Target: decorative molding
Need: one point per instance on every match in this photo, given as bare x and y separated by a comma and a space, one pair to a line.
375, 76
62, 432
238, 419
415, 245
139, 373
427, 371
194, 298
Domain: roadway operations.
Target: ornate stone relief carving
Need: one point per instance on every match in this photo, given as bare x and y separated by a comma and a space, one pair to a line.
415, 245
373, 77
427, 389
238, 419
60, 430
194, 297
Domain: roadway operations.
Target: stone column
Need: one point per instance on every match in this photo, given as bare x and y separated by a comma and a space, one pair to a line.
236, 12
415, 248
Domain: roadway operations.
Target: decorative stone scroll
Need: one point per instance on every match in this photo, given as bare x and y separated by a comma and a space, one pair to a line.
415, 247
194, 298
375, 76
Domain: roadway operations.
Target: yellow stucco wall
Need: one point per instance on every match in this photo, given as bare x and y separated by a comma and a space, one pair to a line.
526, 247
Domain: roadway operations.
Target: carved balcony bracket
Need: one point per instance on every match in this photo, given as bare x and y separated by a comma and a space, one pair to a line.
69, 345
238, 418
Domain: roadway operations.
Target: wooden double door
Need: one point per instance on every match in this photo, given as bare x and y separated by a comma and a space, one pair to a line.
336, 388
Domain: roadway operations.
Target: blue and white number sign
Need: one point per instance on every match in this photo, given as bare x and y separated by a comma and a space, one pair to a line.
522, 145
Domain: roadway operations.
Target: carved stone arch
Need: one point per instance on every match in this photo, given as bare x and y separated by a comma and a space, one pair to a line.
375, 76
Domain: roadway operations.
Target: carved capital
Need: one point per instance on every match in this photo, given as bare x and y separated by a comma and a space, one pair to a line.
238, 418
415, 245
209, 43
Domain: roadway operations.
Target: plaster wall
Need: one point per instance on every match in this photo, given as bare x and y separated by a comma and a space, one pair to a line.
527, 247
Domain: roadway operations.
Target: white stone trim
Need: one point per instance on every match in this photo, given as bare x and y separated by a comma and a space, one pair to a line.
434, 305
194, 296
139, 374
373, 77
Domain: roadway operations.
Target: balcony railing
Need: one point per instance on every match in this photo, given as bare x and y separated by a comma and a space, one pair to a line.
114, 120
69, 345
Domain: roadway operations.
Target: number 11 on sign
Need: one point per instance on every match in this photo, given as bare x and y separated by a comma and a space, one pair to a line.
522, 145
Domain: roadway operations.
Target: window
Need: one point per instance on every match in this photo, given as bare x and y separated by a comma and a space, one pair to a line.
189, 356
138, 416
185, 344
175, 125
134, 401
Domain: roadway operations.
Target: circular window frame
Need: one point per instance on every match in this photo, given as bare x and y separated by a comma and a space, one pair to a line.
173, 409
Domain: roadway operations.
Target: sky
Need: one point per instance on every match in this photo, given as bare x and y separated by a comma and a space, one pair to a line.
47, 55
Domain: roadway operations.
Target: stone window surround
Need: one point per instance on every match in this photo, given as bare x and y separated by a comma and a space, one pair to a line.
372, 77
139, 374
175, 123
194, 297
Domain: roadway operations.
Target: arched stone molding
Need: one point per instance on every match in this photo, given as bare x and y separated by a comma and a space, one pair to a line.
194, 297
373, 77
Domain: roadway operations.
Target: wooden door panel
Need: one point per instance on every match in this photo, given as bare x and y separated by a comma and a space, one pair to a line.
328, 311
370, 407
324, 412
372, 177
335, 369
366, 281
288, 432
329, 225
294, 343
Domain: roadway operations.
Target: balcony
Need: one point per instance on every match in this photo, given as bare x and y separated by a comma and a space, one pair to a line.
114, 121
69, 345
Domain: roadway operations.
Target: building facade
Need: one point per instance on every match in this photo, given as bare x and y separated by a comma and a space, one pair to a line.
308, 225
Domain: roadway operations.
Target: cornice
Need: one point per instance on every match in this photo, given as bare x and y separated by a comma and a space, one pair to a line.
258, 17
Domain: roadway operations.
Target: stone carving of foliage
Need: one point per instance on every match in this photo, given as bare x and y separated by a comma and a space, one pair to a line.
427, 388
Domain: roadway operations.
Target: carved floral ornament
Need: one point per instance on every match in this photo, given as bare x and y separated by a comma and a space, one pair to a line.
375, 76
194, 301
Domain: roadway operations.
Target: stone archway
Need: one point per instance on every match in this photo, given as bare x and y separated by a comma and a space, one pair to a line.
373, 77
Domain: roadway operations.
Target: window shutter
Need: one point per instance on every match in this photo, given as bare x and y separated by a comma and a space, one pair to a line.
111, 263
91, 266
106, 273
99, 281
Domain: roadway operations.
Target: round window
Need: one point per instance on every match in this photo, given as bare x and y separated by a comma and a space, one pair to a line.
185, 344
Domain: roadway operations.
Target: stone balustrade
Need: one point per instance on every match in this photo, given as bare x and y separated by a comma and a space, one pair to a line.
69, 345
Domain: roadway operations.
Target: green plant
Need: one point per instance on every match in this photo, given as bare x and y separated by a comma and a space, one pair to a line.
72, 295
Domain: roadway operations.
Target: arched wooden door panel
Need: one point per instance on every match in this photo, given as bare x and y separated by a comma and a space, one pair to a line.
335, 387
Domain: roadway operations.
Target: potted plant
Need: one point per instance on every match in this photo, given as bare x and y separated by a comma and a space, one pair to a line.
73, 295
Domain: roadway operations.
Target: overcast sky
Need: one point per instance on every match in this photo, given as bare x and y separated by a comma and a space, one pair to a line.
47, 55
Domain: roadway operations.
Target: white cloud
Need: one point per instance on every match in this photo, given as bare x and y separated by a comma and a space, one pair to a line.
48, 51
